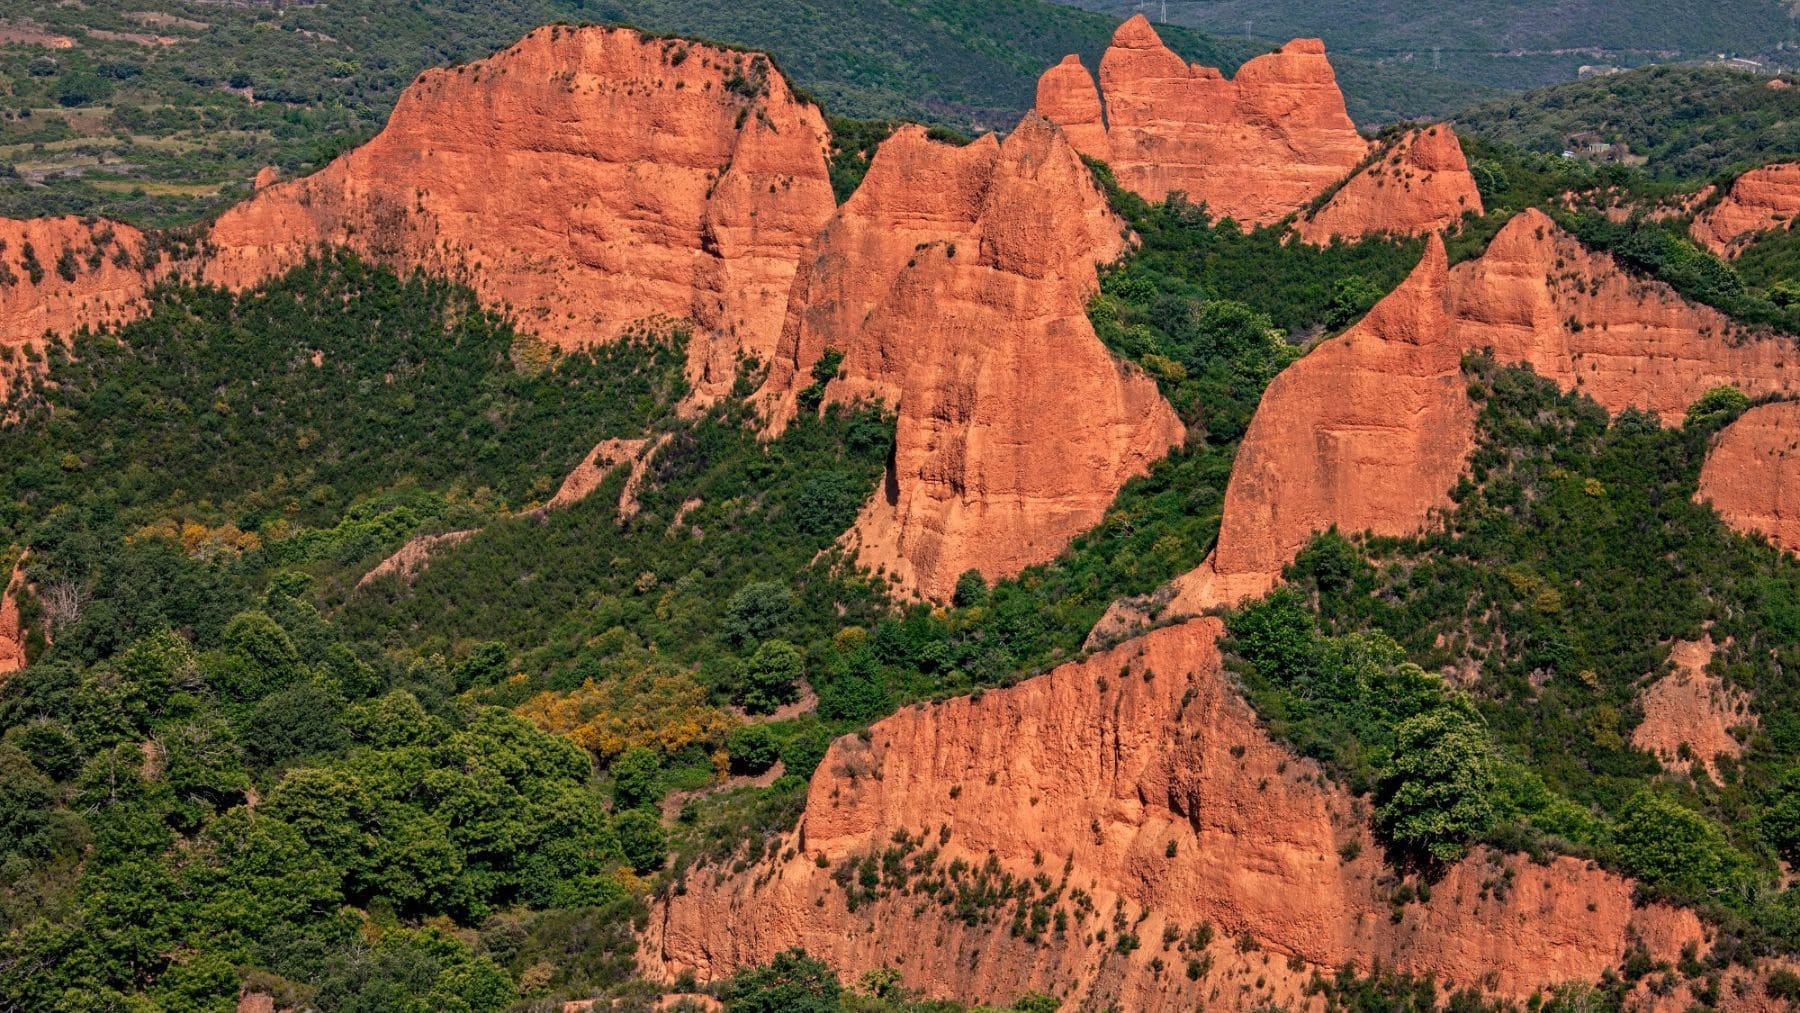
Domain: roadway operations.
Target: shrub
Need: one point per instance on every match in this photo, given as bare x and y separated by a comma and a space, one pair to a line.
753, 748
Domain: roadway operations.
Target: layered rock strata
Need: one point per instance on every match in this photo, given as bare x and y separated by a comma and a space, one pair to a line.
1141, 790
12, 632
583, 180
1255, 147
1752, 474
1370, 431
1419, 183
60, 275
1758, 201
955, 283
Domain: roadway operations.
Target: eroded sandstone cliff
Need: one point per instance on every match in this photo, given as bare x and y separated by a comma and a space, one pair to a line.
1369, 431
584, 179
1759, 200
59, 275
1256, 147
955, 283
12, 633
1140, 789
1417, 183
1752, 474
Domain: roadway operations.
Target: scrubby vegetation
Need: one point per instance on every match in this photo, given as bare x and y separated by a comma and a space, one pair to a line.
1690, 124
1551, 595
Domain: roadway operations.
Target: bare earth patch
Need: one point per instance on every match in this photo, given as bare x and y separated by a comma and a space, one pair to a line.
1691, 707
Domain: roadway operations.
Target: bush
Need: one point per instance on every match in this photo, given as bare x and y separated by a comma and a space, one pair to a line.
771, 678
637, 779
753, 748
791, 983
642, 838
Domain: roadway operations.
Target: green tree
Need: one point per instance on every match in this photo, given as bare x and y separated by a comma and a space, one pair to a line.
1437, 791
753, 748
642, 838
772, 676
791, 983
637, 779
757, 612
971, 589
1675, 849
1720, 404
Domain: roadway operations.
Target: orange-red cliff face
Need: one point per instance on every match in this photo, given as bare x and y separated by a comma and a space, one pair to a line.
1417, 184
12, 633
1370, 431
955, 281
1256, 147
1140, 777
1752, 474
586, 179
1760, 200
39, 302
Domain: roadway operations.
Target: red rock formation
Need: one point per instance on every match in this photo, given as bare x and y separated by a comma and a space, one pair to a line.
599, 463
1367, 432
1691, 707
955, 281
110, 281
1142, 778
1760, 200
1418, 183
585, 179
412, 558
1256, 147
12, 632
1752, 474
1067, 97
266, 177
1370, 430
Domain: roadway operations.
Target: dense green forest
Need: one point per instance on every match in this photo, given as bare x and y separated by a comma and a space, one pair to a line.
1502, 43
233, 761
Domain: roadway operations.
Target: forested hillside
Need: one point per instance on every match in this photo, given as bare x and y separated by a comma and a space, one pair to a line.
334, 693
1685, 123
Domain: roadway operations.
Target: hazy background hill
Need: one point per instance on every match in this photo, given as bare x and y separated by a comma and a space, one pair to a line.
1501, 43
160, 111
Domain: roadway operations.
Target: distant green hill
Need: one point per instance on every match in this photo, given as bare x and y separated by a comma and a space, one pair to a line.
149, 115
1500, 43
1690, 123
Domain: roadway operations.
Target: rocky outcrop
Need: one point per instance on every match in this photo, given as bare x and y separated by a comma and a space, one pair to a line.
1367, 432
1256, 147
955, 283
1752, 474
600, 462
1370, 431
412, 558
1689, 713
1417, 183
584, 179
1141, 792
59, 275
1759, 200
12, 632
